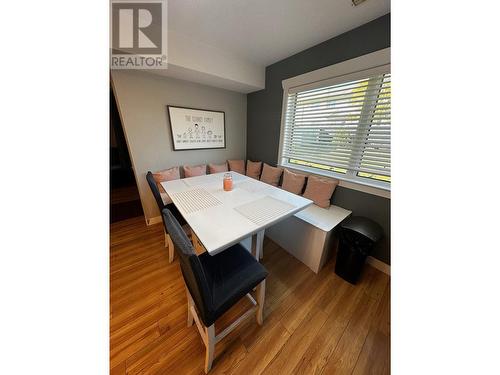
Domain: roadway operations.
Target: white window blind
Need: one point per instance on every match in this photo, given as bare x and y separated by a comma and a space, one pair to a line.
344, 128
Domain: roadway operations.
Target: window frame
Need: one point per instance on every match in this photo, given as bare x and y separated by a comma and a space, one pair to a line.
358, 68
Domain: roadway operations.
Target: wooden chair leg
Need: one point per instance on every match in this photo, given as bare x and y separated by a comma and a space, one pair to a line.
208, 333
194, 239
209, 355
198, 247
190, 317
261, 292
170, 245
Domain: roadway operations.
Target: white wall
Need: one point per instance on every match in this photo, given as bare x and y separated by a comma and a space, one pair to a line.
192, 60
142, 99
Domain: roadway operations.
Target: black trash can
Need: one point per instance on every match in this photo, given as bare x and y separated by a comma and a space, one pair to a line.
358, 235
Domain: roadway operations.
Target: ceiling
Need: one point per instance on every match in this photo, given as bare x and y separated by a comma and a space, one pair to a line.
266, 31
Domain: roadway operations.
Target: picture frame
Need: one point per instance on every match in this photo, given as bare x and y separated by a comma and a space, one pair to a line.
196, 128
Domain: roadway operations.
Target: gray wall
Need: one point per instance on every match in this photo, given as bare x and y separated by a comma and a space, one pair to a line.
142, 99
264, 112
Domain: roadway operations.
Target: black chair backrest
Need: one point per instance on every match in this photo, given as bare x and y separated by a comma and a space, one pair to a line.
192, 270
155, 190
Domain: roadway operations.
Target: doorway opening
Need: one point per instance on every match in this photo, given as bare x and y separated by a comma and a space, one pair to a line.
124, 200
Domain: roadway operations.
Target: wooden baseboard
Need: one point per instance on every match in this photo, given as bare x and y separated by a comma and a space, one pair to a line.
153, 220
378, 264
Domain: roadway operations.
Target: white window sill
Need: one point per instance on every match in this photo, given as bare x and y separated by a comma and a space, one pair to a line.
370, 187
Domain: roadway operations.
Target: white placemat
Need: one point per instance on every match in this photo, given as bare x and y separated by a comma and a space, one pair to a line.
207, 179
250, 186
194, 200
264, 209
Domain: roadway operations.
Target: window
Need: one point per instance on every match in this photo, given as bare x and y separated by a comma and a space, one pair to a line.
341, 128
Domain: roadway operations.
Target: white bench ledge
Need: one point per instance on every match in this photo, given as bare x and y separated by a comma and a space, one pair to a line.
323, 218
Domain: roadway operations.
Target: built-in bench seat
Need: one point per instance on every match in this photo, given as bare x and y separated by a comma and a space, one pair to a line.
309, 235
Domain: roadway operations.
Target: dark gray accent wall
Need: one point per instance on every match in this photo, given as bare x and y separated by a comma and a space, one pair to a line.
264, 112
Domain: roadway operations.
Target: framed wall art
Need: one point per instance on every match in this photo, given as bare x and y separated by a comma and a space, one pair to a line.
196, 129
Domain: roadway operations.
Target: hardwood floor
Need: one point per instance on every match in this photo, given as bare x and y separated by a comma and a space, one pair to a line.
313, 324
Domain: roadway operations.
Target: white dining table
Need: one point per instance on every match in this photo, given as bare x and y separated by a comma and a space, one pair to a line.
221, 218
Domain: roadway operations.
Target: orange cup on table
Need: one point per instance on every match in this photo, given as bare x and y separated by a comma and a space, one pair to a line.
228, 182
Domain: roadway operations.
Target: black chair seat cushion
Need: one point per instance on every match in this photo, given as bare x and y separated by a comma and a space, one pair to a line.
231, 275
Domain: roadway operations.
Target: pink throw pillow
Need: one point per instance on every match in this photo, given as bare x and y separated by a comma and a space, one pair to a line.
166, 175
237, 166
293, 182
217, 168
253, 169
271, 175
195, 170
320, 190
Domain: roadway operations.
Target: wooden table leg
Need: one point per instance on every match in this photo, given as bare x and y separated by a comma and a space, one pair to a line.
257, 244
260, 239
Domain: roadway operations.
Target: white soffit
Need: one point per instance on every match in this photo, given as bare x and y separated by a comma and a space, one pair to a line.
191, 60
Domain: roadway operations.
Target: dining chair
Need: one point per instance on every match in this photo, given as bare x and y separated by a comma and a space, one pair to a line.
215, 283
161, 206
